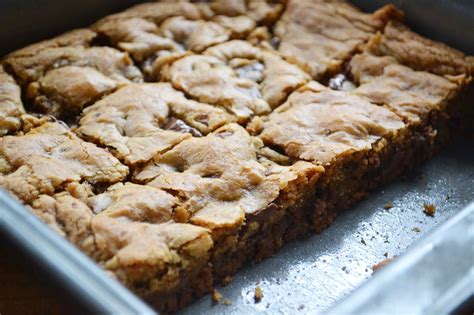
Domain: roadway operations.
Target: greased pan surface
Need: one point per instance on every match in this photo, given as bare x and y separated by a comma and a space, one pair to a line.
309, 275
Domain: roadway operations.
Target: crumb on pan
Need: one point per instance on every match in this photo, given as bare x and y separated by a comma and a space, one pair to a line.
258, 294
416, 229
388, 205
216, 296
429, 209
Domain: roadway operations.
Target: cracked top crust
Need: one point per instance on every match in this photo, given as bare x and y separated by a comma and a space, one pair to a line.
244, 79
222, 177
49, 157
157, 12
140, 121
320, 35
158, 182
131, 230
11, 106
411, 94
320, 125
157, 33
64, 74
420, 53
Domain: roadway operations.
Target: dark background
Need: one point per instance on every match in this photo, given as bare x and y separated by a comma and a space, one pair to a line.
24, 22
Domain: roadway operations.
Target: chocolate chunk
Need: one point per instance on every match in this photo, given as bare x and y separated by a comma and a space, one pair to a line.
341, 82
275, 42
180, 126
252, 71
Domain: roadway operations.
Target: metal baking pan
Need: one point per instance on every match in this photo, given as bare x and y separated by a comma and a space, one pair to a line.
330, 272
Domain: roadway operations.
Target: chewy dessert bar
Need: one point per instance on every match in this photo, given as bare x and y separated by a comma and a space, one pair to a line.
50, 158
176, 141
11, 106
244, 78
156, 35
141, 120
320, 36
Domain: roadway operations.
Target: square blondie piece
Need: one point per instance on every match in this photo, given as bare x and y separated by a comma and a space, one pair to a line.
425, 82
243, 79
319, 36
141, 120
227, 184
67, 73
135, 234
11, 105
359, 144
50, 158
157, 33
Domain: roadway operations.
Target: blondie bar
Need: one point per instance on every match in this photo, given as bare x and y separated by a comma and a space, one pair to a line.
50, 158
11, 105
320, 35
67, 73
176, 141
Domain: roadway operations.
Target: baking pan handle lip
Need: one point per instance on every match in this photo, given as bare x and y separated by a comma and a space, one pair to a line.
390, 290
72, 268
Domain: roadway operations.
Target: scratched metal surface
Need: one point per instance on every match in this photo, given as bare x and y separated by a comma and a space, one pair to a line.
310, 275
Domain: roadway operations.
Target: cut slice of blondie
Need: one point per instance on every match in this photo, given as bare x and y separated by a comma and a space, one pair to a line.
67, 73
320, 36
134, 232
139, 121
11, 105
50, 158
244, 79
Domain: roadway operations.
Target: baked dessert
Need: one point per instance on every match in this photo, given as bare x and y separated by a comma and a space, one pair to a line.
50, 158
156, 34
11, 106
176, 141
320, 36
246, 80
67, 73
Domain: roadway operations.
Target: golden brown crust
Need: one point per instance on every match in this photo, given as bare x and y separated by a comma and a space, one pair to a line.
158, 41
65, 91
242, 78
11, 106
132, 231
137, 36
80, 37
411, 94
69, 217
320, 35
320, 125
48, 158
220, 177
420, 53
158, 33
277, 78
134, 122
64, 74
156, 12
